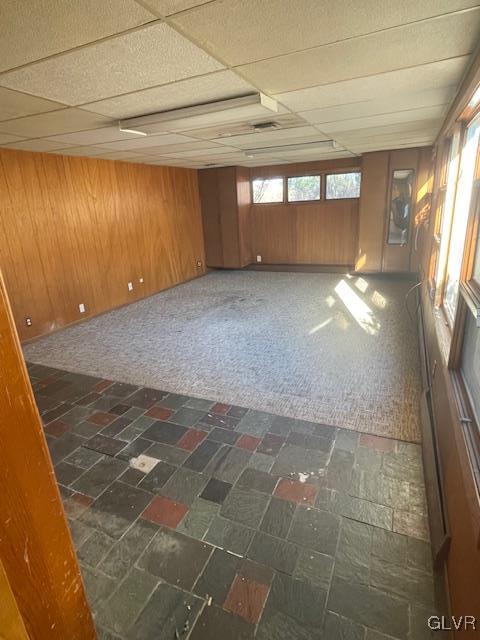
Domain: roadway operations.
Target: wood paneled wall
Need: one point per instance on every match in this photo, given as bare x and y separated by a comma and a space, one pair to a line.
41, 589
77, 230
322, 233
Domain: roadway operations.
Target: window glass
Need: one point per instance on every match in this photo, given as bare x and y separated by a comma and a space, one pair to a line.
460, 218
303, 188
267, 190
470, 362
400, 206
343, 185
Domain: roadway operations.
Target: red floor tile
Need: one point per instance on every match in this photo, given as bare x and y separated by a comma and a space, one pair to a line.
376, 442
159, 413
165, 511
246, 598
101, 418
295, 491
221, 408
248, 442
191, 439
56, 428
102, 385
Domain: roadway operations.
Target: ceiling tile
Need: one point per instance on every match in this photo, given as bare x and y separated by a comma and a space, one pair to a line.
118, 155
52, 123
187, 146
218, 150
143, 58
405, 81
438, 39
147, 141
252, 30
95, 136
427, 113
433, 98
14, 104
275, 137
39, 28
169, 7
81, 151
36, 145
6, 137
215, 86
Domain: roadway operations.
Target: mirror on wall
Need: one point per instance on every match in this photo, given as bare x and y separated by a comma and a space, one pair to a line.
400, 206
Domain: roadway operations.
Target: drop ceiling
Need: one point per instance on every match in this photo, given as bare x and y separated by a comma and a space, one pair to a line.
366, 75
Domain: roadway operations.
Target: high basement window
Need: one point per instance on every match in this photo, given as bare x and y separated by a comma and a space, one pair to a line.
343, 185
267, 190
303, 188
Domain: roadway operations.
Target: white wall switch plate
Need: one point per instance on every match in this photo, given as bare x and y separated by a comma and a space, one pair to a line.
81, 307
130, 286
140, 279
259, 258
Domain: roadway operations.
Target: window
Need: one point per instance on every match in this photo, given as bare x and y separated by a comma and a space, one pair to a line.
303, 188
400, 206
267, 190
460, 219
343, 185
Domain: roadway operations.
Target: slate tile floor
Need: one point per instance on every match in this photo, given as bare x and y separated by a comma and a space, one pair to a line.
194, 519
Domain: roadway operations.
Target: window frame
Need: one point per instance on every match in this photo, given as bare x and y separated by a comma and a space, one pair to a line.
275, 202
341, 172
304, 175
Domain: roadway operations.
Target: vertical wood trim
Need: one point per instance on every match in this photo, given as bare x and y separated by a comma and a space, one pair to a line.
11, 623
35, 543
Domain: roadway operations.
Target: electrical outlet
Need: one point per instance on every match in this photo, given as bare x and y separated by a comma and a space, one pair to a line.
130, 286
259, 258
140, 280
28, 322
81, 307
199, 263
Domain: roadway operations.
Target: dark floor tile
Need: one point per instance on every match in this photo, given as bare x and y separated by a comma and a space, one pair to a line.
95, 548
255, 423
223, 435
278, 518
271, 444
217, 623
116, 427
324, 431
127, 602
169, 613
67, 473
84, 458
339, 470
76, 505
168, 453
55, 412
128, 549
296, 462
146, 398
184, 485
337, 628
86, 429
202, 455
237, 412
175, 558
115, 510
229, 535
187, 417
298, 600
254, 571
216, 491
257, 480
246, 599
228, 463
314, 568
64, 446
276, 625
307, 441
369, 607
211, 420
102, 386
118, 389
174, 401
199, 518
283, 426
277, 554
133, 428
296, 491
132, 476
164, 432
88, 399
105, 445
199, 403
97, 585
134, 449
218, 576
164, 511
317, 530
120, 409
157, 477
245, 507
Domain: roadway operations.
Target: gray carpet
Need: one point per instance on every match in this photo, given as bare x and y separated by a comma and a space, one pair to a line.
323, 347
